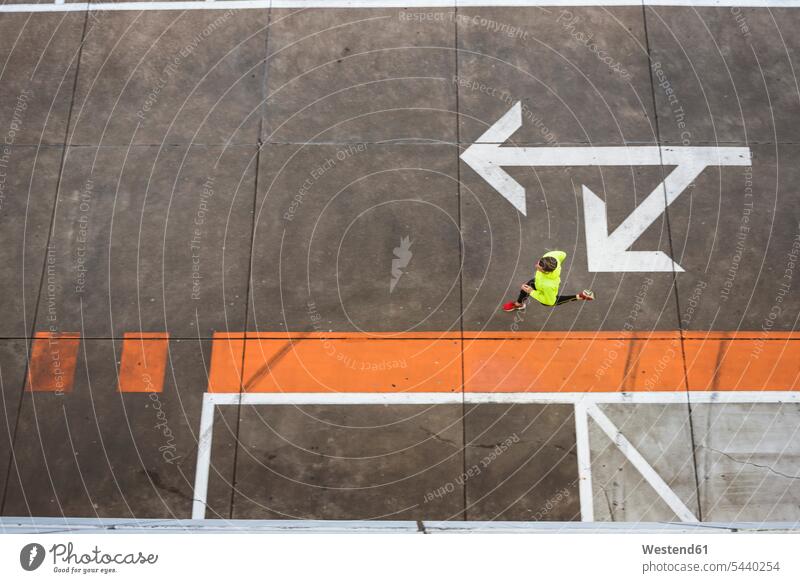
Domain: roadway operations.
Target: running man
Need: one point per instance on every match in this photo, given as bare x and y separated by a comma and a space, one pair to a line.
544, 286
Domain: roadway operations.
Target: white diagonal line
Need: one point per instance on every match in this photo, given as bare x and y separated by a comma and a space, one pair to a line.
648, 473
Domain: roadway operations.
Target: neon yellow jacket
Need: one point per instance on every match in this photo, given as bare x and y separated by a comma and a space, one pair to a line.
547, 284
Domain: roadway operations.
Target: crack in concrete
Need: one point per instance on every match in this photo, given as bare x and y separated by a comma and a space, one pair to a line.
567, 450
485, 445
748, 463
608, 502
155, 478
438, 437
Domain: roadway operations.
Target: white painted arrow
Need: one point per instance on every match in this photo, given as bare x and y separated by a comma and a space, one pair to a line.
605, 252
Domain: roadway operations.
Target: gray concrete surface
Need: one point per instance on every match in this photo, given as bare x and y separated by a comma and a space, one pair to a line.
131, 114
746, 220
41, 54
747, 460
30, 178
360, 76
12, 374
94, 451
301, 462
541, 56
743, 89
328, 221
521, 463
170, 78
152, 238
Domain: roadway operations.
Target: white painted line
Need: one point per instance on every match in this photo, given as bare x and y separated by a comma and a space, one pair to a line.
606, 251
571, 398
74, 7
527, 398
137, 6
203, 468
706, 155
611, 155
725, 3
659, 397
584, 463
398, 4
648, 473
337, 398
731, 397
225, 398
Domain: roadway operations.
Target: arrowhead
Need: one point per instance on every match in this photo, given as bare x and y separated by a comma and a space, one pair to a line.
609, 252
481, 157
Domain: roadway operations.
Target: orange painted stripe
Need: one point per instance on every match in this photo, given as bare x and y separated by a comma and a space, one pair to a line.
143, 363
576, 335
227, 351
743, 364
574, 365
455, 335
581, 361
742, 335
352, 365
52, 364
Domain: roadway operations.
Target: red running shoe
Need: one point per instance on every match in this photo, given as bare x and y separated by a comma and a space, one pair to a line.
512, 307
586, 294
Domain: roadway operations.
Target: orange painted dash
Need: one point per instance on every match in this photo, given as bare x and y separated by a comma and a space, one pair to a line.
227, 351
52, 363
143, 363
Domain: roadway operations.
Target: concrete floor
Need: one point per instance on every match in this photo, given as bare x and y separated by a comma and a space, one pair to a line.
196, 173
